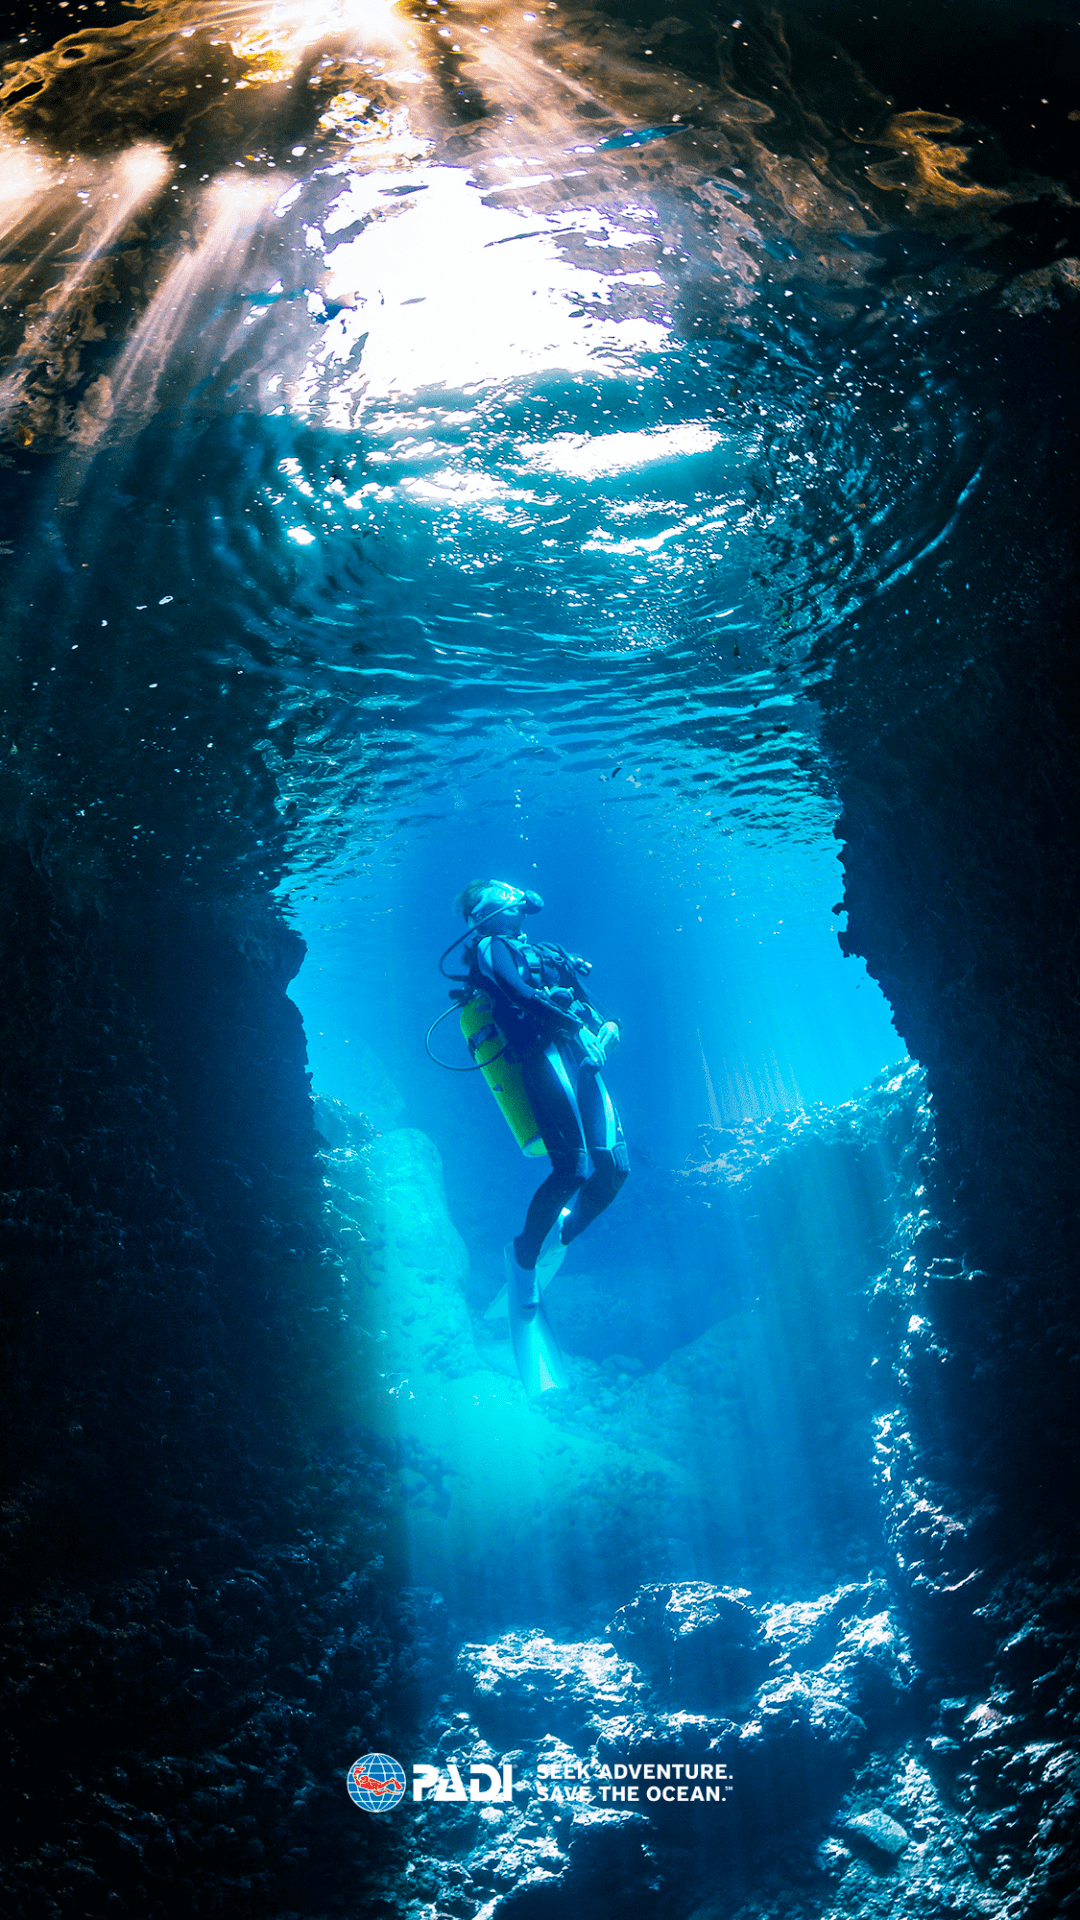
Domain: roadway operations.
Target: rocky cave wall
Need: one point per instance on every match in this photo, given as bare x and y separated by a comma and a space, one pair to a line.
192, 1635
957, 766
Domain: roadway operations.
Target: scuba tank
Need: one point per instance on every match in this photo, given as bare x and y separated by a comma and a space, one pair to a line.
503, 1075
490, 1049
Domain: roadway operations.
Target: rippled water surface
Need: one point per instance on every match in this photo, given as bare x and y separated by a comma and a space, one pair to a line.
446, 436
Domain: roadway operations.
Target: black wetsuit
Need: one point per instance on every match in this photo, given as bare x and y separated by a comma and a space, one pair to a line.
573, 1108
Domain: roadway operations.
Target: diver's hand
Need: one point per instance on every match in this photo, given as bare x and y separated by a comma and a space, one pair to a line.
597, 1044
560, 997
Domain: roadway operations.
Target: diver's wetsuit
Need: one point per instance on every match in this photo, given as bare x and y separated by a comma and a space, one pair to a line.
572, 1105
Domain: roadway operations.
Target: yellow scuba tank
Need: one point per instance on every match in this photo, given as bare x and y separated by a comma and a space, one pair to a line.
503, 1075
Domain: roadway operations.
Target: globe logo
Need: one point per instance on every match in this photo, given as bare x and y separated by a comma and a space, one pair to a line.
376, 1782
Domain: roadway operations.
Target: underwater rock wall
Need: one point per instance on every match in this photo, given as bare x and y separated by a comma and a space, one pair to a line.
980, 1568
191, 1633
955, 755
957, 769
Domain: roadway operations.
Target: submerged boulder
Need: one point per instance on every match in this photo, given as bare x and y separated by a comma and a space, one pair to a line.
702, 1643
791, 1741
879, 1831
625, 1793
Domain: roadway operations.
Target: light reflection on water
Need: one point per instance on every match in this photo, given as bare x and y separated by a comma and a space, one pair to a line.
438, 302
520, 402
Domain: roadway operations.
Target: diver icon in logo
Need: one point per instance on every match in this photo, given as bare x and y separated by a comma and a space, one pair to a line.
376, 1782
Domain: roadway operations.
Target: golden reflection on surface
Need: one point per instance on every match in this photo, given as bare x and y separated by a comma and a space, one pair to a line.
931, 178
272, 48
552, 127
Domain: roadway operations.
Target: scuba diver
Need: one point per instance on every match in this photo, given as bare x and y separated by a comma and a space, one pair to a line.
541, 1044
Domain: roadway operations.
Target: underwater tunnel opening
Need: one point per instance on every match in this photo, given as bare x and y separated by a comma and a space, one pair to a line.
688, 1334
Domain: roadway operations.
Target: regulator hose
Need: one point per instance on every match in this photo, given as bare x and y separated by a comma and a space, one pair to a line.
445, 1064
462, 979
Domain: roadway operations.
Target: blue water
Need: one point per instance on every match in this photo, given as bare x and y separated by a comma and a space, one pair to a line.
723, 969
732, 995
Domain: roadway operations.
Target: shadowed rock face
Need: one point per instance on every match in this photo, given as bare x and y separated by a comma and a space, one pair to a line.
191, 1635
960, 797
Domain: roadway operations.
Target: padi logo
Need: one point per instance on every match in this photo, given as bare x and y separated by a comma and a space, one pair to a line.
445, 1783
376, 1782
